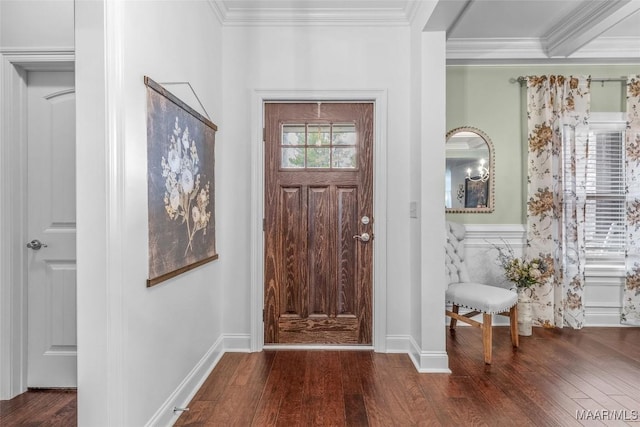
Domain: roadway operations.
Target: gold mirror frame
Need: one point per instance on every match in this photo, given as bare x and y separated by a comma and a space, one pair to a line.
491, 166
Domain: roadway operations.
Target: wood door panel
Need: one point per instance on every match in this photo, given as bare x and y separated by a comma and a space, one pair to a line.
318, 278
347, 217
292, 239
320, 251
326, 330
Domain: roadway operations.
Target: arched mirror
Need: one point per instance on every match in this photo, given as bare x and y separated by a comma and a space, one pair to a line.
469, 176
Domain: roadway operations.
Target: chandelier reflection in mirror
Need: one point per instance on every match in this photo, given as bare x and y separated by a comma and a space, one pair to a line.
469, 184
483, 173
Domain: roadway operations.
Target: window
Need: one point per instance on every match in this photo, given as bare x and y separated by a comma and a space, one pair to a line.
319, 146
605, 189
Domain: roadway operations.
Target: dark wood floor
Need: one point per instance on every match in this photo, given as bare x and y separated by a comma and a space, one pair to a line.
555, 376
40, 408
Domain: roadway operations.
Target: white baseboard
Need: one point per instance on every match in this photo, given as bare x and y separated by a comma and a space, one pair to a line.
431, 362
165, 416
603, 315
237, 343
424, 361
399, 344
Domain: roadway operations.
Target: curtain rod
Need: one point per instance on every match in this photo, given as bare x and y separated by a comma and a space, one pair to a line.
522, 79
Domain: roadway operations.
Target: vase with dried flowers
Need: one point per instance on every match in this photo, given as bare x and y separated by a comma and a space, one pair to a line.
524, 274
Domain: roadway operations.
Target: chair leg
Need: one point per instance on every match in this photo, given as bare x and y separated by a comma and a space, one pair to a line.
487, 331
513, 321
452, 325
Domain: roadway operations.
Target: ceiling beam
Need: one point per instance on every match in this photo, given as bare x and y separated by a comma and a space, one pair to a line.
461, 12
446, 15
587, 22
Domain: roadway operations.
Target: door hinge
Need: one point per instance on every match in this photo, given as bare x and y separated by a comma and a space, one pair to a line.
263, 315
264, 224
264, 135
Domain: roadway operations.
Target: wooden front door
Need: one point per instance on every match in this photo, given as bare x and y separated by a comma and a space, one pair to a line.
318, 223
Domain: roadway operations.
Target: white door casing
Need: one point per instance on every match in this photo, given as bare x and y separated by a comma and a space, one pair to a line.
379, 97
14, 66
51, 208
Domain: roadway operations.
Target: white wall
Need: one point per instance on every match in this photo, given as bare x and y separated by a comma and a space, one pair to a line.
427, 170
141, 348
415, 166
314, 58
433, 356
36, 24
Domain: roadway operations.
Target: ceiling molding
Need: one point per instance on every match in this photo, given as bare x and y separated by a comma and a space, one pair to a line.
399, 15
218, 10
588, 21
611, 47
617, 49
498, 48
411, 10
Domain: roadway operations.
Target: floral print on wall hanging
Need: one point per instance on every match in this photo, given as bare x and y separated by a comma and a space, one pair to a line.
180, 156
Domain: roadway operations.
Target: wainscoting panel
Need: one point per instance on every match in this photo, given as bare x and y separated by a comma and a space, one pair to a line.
482, 255
603, 299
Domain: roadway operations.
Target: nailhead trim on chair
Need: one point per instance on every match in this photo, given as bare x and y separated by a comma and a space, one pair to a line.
479, 297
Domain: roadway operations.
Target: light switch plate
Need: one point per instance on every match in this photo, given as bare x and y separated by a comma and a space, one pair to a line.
413, 210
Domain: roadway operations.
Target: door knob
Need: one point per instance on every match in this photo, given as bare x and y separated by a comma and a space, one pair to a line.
364, 237
36, 245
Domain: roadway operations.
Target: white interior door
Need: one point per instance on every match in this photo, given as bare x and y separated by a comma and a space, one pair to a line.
51, 230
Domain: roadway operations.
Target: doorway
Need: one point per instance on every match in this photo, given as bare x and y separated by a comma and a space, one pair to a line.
318, 224
14, 262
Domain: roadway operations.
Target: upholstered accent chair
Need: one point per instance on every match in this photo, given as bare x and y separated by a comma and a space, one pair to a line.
480, 298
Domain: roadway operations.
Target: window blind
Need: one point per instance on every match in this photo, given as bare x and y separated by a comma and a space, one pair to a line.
604, 214
605, 237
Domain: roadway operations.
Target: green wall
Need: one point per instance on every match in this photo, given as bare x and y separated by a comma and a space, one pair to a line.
487, 97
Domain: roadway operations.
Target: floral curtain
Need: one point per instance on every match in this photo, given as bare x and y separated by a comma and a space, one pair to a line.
557, 107
631, 299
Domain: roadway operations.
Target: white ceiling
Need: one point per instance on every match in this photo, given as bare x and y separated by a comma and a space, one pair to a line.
542, 30
477, 30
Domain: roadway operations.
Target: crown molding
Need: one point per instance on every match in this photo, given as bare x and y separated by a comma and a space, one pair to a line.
610, 47
494, 48
590, 20
32, 51
411, 10
501, 50
36, 58
217, 8
400, 15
